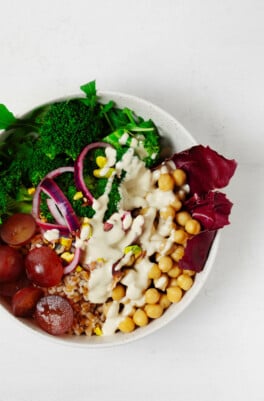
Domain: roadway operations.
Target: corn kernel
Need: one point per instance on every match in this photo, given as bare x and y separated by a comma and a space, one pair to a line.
101, 161
99, 173
79, 268
67, 256
66, 242
98, 331
78, 195
31, 191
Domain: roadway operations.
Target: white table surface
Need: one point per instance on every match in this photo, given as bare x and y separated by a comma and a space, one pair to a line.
203, 61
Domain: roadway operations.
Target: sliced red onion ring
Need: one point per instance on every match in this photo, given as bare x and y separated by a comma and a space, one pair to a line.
53, 174
55, 212
78, 171
50, 188
51, 226
71, 266
36, 202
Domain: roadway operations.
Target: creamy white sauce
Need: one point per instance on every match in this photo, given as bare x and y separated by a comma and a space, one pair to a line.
103, 249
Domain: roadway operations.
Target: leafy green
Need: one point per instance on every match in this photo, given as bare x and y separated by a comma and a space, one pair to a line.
143, 133
6, 117
54, 134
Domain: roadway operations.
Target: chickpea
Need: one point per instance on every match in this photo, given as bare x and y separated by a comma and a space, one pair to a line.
152, 296
167, 212
179, 177
127, 325
154, 272
193, 227
173, 282
164, 301
154, 311
140, 318
178, 253
166, 182
180, 236
162, 282
190, 272
118, 292
164, 248
174, 294
177, 204
185, 282
183, 217
175, 271
165, 263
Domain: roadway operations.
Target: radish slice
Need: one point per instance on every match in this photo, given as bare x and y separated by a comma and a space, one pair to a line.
78, 171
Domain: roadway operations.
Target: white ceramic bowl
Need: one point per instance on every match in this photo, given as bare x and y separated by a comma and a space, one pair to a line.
175, 138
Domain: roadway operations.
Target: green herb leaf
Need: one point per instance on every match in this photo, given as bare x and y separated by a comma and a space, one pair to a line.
6, 117
90, 90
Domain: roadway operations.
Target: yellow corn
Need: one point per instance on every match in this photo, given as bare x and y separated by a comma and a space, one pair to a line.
86, 231
66, 242
101, 161
98, 331
79, 268
31, 191
98, 173
67, 256
78, 195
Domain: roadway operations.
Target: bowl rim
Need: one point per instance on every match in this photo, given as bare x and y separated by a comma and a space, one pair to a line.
117, 339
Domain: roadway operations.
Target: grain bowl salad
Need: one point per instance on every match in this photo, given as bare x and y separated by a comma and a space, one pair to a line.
99, 233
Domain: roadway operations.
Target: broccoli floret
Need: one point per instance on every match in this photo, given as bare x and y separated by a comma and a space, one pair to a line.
19, 203
67, 127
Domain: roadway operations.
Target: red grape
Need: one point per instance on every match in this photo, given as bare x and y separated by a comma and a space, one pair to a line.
44, 267
9, 289
24, 301
11, 264
18, 229
54, 314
